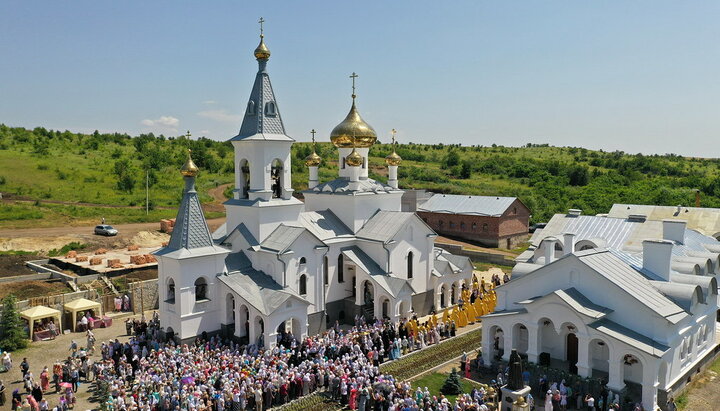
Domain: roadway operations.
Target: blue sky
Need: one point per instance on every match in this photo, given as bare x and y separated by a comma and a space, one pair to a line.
639, 76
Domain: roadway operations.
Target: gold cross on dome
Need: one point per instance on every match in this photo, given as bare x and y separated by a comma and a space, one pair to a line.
353, 76
261, 21
313, 135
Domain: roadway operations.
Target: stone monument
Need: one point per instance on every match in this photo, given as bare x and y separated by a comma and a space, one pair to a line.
515, 388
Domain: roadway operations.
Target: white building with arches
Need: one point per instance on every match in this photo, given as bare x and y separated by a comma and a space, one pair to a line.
595, 303
281, 265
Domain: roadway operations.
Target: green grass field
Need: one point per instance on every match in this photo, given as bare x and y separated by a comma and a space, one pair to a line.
435, 380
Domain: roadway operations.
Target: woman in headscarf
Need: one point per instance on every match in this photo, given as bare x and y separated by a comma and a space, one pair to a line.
44, 379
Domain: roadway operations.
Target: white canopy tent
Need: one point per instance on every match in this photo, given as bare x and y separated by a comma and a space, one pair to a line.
82, 304
38, 313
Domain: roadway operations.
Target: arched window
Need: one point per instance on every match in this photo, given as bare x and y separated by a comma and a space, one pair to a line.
270, 109
171, 291
410, 264
340, 269
325, 270
302, 261
303, 284
276, 175
245, 178
474, 226
200, 289
251, 108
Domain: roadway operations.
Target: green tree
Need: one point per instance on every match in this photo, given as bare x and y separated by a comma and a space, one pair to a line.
452, 385
12, 335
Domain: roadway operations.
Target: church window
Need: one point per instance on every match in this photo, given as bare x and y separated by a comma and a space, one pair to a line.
452, 224
245, 178
270, 108
251, 108
303, 285
340, 269
325, 270
410, 265
276, 176
303, 261
200, 289
171, 291
485, 227
462, 226
474, 226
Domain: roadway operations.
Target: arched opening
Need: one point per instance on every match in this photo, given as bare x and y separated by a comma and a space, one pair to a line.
302, 287
251, 108
229, 309
571, 352
302, 262
633, 375
201, 289
550, 341
270, 108
453, 294
277, 177
169, 334
498, 336
403, 309
410, 265
288, 331
368, 293
442, 296
170, 291
341, 269
244, 330
385, 308
326, 270
244, 178
520, 338
599, 354
259, 332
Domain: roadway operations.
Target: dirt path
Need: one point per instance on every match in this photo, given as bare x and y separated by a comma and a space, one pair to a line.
218, 195
10, 198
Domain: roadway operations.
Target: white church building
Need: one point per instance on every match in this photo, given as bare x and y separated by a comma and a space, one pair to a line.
280, 264
629, 300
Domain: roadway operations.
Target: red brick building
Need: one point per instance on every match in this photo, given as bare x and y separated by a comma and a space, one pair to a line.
490, 221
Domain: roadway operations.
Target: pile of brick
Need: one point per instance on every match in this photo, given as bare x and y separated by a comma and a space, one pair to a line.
100, 251
81, 258
117, 265
165, 244
96, 261
71, 254
133, 247
167, 225
111, 262
138, 259
150, 258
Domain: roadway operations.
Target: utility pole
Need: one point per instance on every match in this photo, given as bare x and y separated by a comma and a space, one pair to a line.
147, 192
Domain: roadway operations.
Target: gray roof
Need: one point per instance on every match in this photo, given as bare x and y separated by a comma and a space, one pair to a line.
324, 224
615, 231
705, 220
255, 287
393, 285
464, 204
191, 235
281, 238
630, 337
445, 263
343, 185
577, 301
384, 225
259, 125
630, 281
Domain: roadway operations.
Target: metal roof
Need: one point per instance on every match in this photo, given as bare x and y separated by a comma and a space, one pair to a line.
255, 287
705, 220
324, 224
393, 285
575, 300
630, 337
384, 225
259, 124
463, 204
615, 231
343, 185
281, 238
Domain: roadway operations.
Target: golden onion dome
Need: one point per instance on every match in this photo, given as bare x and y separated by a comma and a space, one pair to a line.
262, 52
354, 159
313, 160
353, 126
189, 169
393, 159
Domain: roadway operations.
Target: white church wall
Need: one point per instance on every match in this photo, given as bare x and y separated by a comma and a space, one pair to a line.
304, 247
335, 289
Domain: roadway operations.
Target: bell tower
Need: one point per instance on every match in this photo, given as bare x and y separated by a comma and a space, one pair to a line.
262, 160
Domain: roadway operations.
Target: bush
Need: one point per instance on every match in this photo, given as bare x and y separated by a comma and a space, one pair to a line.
452, 385
12, 335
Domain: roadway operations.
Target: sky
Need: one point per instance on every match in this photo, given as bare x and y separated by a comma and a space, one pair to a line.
637, 76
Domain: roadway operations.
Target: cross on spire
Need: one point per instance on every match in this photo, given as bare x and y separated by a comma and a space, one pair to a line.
353, 76
261, 21
188, 134
313, 136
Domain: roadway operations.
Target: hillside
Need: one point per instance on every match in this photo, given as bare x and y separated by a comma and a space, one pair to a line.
44, 174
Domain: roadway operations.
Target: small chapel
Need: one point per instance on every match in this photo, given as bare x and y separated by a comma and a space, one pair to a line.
280, 265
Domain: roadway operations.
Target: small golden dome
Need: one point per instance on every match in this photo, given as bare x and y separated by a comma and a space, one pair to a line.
353, 126
354, 159
393, 159
262, 52
313, 160
189, 169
